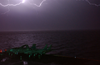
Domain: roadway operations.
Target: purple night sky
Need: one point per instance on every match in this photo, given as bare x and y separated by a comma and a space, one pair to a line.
52, 15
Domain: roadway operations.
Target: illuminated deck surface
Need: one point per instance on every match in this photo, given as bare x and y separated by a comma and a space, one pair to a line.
45, 60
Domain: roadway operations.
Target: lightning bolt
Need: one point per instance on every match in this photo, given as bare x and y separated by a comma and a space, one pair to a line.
92, 3
39, 4
89, 2
23, 1
11, 4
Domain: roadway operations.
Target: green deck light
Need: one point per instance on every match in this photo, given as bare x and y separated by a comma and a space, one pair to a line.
39, 56
20, 57
9, 53
29, 56
34, 54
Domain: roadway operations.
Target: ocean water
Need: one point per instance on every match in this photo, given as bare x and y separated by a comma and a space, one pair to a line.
82, 44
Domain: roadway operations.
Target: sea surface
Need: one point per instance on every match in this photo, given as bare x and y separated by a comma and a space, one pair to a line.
82, 44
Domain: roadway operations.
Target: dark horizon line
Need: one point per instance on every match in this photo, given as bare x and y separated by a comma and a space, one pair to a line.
47, 30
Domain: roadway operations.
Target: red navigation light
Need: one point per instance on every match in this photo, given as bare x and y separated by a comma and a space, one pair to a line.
0, 50
5, 49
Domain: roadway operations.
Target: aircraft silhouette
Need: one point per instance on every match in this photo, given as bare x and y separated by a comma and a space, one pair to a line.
25, 49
